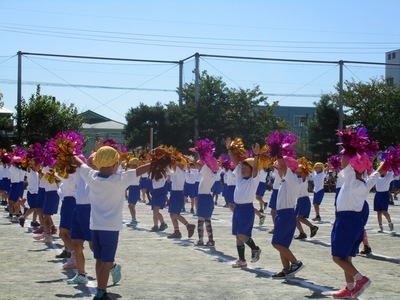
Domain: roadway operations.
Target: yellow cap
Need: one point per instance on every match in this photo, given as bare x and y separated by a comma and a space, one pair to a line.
249, 161
105, 157
319, 165
134, 161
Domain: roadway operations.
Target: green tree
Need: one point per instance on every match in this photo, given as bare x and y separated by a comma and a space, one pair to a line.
6, 125
139, 122
322, 129
43, 116
375, 105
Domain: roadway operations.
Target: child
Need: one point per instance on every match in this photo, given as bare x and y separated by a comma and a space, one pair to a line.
262, 187
348, 229
133, 193
318, 176
216, 189
158, 199
272, 201
382, 198
107, 188
243, 214
176, 202
189, 186
33, 188
303, 206
285, 221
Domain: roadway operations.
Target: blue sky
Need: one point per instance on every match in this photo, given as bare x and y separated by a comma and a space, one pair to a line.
351, 30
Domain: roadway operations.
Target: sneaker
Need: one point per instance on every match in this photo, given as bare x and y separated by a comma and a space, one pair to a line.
391, 203
314, 231
262, 220
154, 229
391, 226
317, 219
380, 228
46, 239
366, 250
255, 255
361, 285
133, 223
21, 221
281, 275
175, 235
35, 224
192, 211
38, 237
342, 294
64, 254
261, 210
210, 243
190, 229
38, 231
116, 273
199, 243
70, 264
163, 226
239, 264
104, 297
271, 230
53, 230
301, 236
78, 279
14, 220
265, 205
294, 268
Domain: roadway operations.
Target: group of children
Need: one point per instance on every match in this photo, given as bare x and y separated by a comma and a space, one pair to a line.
93, 199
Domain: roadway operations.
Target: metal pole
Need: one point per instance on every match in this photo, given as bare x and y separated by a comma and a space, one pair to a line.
19, 98
340, 96
151, 138
196, 96
180, 83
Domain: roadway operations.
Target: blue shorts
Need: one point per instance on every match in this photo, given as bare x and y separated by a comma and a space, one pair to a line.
6, 186
66, 212
272, 201
159, 197
364, 213
347, 234
205, 206
285, 225
229, 191
32, 200
14, 191
381, 201
81, 223
303, 207
395, 185
196, 189
168, 185
145, 184
51, 201
40, 197
133, 194
216, 189
105, 245
318, 196
176, 201
189, 190
262, 187
243, 219
21, 189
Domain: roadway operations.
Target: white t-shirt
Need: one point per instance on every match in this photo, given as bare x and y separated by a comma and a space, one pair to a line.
277, 180
190, 176
303, 191
107, 196
383, 183
354, 191
230, 178
318, 179
207, 180
33, 182
82, 190
245, 191
288, 191
69, 185
177, 179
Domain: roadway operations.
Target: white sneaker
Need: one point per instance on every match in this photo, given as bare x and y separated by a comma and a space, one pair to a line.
391, 226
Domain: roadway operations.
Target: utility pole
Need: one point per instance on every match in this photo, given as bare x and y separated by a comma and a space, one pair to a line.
196, 96
19, 98
340, 96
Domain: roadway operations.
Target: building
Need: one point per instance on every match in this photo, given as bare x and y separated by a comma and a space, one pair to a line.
6, 129
392, 73
96, 126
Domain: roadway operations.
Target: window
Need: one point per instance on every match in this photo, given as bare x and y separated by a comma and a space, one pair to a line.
300, 121
389, 56
393, 55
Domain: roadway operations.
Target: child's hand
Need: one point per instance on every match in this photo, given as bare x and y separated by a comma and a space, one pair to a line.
228, 142
256, 149
99, 144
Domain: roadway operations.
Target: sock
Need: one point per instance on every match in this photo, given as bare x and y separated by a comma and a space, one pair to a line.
209, 230
176, 229
200, 229
240, 250
350, 286
82, 274
251, 244
358, 277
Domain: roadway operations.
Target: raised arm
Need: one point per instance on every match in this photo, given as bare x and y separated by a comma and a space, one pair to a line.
256, 153
228, 142
143, 169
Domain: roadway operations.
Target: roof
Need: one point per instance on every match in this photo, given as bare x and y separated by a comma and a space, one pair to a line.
4, 110
91, 117
104, 125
